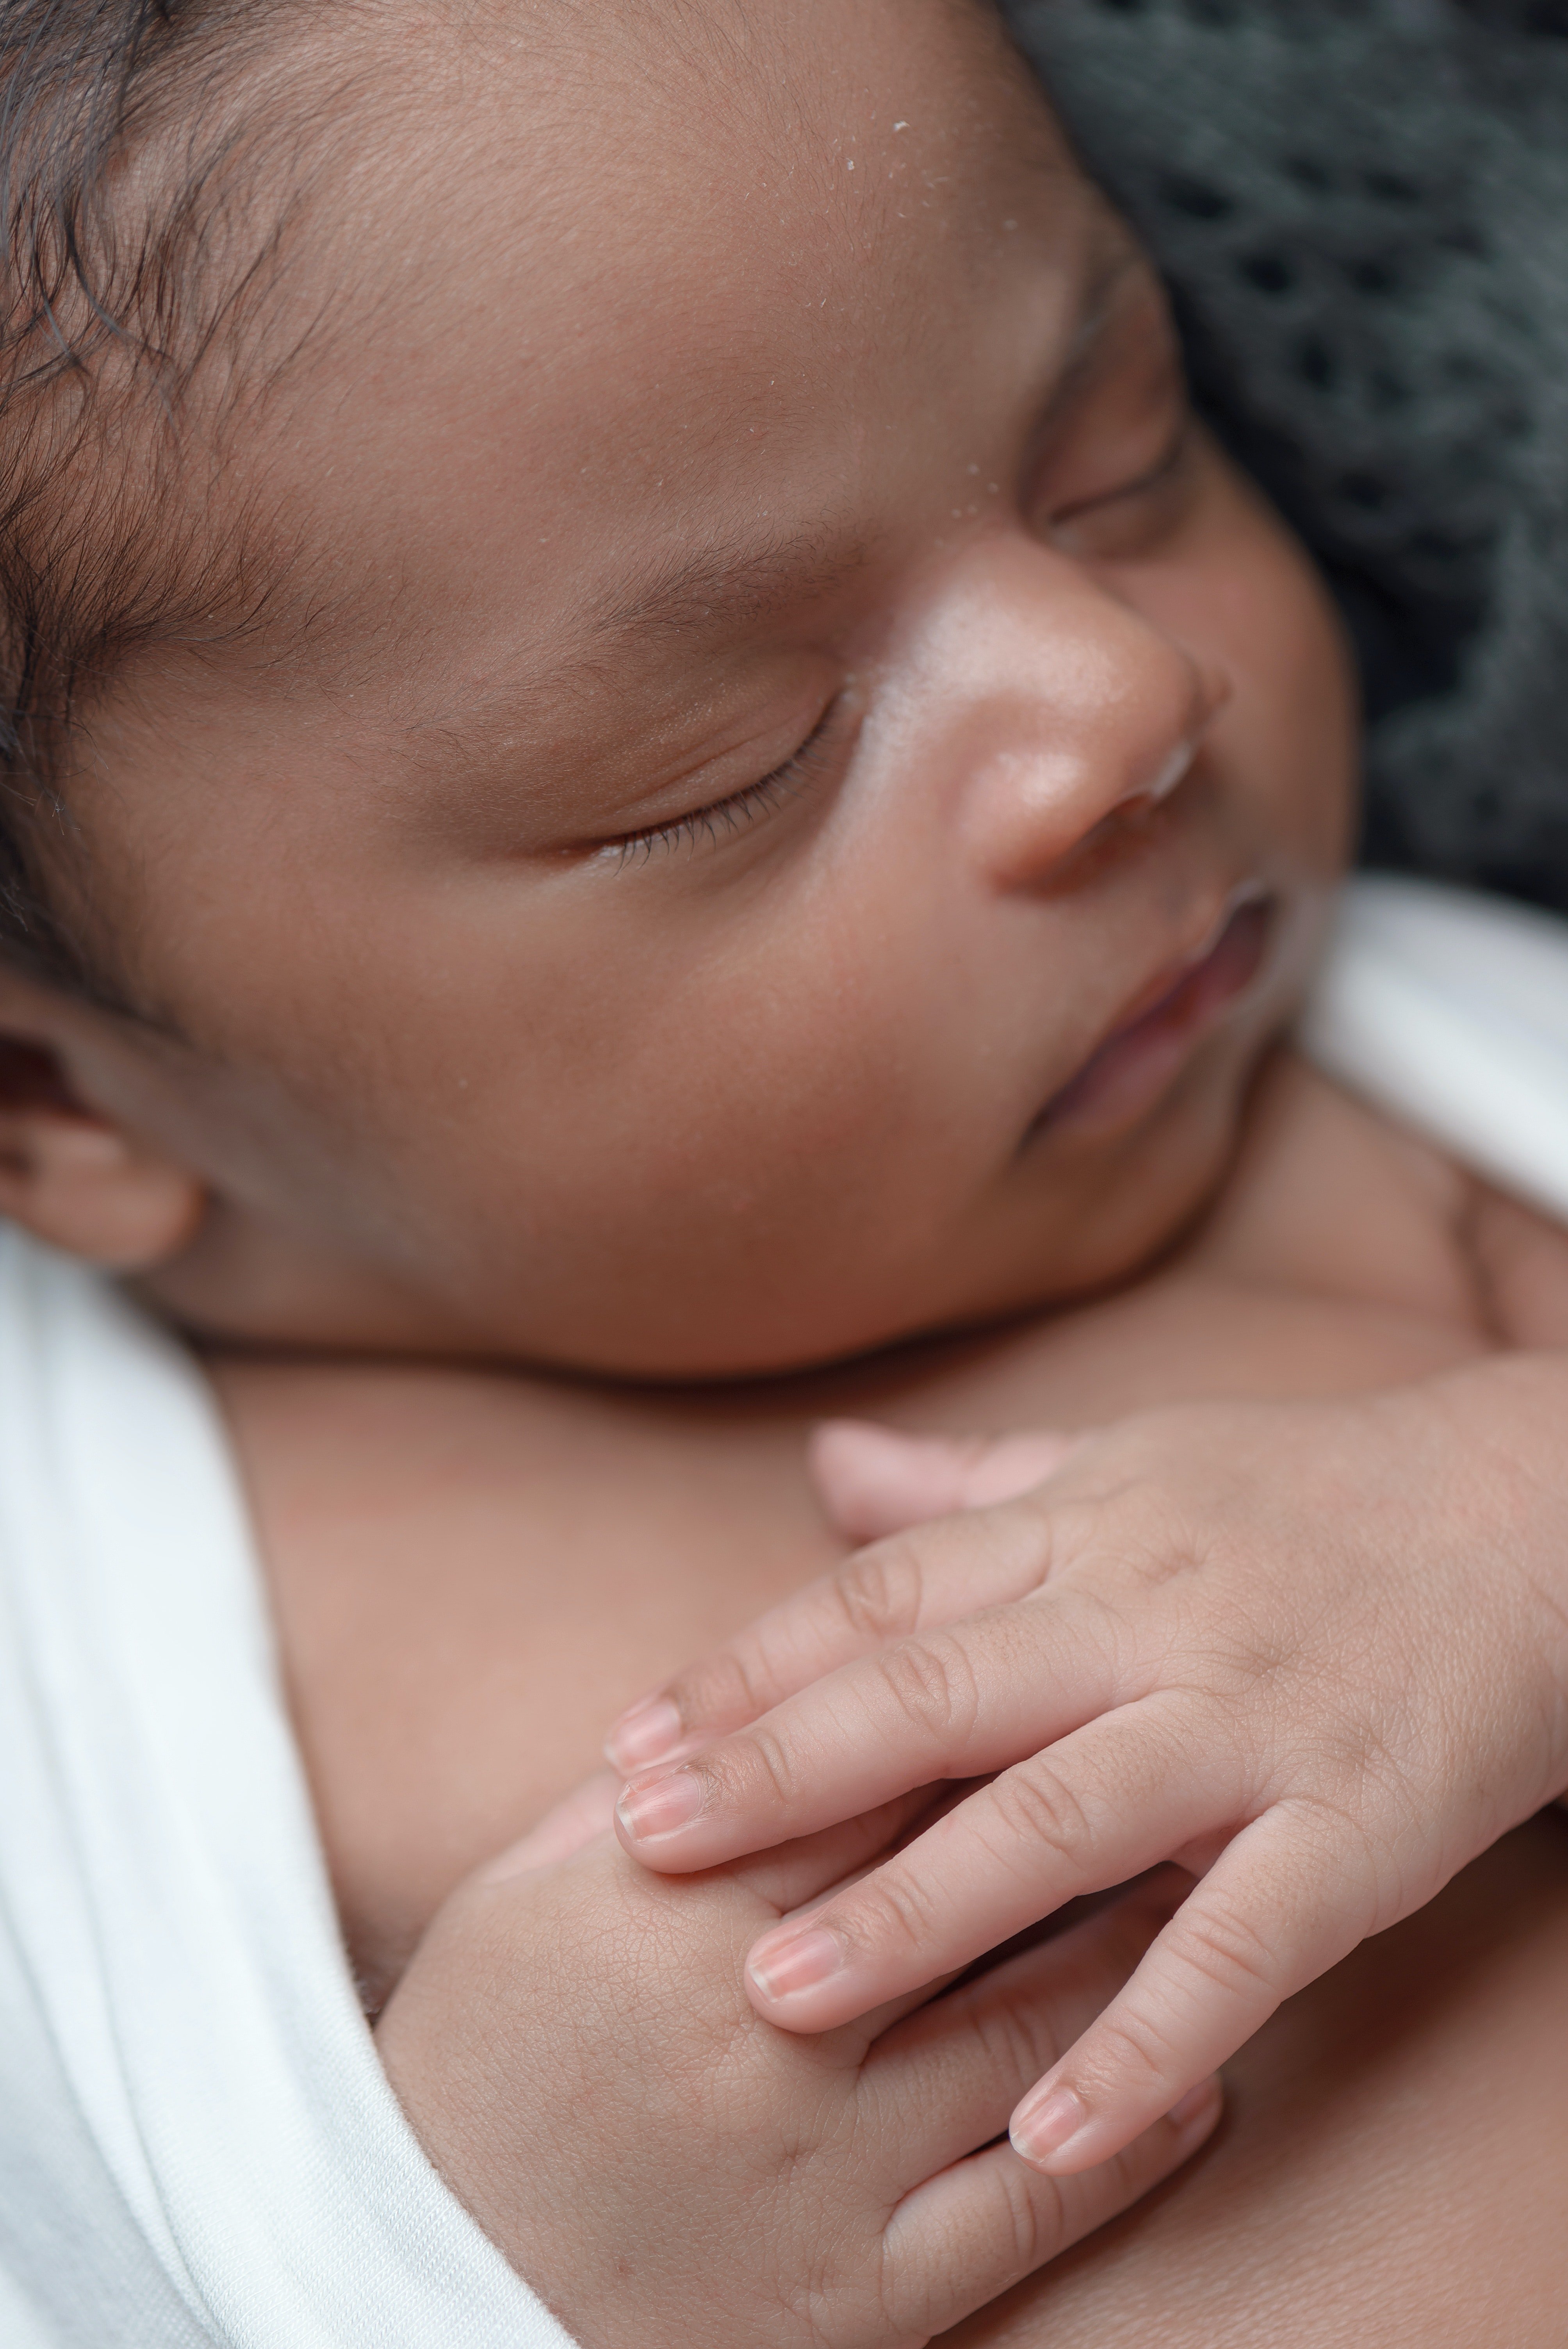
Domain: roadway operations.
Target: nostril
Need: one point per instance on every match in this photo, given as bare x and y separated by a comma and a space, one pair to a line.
1141, 800
1165, 783
1151, 795
1207, 690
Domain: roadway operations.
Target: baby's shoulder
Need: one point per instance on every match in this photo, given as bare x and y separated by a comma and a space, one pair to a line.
1329, 1197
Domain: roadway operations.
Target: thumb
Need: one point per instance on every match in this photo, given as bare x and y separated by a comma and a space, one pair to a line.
874, 1480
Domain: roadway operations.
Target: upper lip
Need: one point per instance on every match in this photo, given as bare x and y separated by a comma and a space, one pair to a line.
1170, 974
1163, 981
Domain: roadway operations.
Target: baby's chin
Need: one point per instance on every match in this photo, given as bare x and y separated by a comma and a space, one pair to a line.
1032, 1258
1142, 1202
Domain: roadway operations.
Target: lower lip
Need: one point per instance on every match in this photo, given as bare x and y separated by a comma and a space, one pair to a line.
1135, 1065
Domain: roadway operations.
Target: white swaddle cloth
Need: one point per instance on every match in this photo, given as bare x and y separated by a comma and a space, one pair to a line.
197, 2144
1451, 1012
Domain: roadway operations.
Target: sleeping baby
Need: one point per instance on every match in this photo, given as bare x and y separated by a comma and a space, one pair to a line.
660, 791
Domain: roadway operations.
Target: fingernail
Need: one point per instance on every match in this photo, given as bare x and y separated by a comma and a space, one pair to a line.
789, 1967
1190, 2115
663, 1807
1041, 2131
645, 1734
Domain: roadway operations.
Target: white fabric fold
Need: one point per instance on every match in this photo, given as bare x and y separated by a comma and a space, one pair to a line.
1449, 1010
197, 2143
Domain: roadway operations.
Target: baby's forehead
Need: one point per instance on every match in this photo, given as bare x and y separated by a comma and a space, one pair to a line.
599, 350
627, 145
512, 310
565, 483
672, 288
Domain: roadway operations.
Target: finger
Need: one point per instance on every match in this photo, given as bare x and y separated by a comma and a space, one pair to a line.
578, 1818
1094, 1810
908, 1716
1259, 1927
792, 1879
946, 2079
911, 1582
874, 1480
969, 2234
796, 1877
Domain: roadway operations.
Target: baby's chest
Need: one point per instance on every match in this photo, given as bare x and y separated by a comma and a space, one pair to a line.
472, 1575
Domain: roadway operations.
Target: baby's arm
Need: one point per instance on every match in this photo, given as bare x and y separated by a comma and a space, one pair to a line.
1316, 1653
574, 2047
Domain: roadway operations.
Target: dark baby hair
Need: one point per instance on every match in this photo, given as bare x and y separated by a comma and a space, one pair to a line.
134, 258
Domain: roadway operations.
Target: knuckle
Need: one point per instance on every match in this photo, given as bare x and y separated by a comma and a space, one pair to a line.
932, 1687
1219, 1944
1018, 2043
1139, 2047
756, 1677
1012, 2222
1032, 1806
1069, 1529
1020, 2220
1152, 1543
1028, 2219
879, 1590
891, 1913
758, 1770
1214, 1951
727, 1689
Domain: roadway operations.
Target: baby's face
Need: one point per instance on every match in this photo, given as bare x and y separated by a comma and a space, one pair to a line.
810, 783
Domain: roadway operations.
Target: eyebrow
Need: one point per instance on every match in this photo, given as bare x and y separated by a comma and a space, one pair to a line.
730, 582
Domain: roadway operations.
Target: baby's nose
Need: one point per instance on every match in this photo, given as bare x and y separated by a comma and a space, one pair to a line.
1092, 710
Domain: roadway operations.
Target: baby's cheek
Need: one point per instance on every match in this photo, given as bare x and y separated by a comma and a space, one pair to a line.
1297, 701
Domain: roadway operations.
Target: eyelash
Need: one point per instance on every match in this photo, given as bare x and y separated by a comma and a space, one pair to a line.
732, 814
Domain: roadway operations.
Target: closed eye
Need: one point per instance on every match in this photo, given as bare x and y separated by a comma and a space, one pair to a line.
1158, 476
709, 826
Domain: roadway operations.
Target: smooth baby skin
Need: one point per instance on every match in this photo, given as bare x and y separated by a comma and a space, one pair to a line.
615, 1528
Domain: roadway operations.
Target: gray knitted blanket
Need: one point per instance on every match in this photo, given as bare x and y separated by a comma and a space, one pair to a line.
1362, 206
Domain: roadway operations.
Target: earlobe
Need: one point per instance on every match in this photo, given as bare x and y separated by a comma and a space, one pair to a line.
82, 1184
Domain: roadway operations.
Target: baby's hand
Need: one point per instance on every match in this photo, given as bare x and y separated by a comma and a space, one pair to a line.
574, 2047
1317, 1654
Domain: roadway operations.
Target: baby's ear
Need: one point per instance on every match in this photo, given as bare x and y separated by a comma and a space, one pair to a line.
78, 1179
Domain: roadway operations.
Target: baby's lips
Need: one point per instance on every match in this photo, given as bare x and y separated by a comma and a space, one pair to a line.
647, 1734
